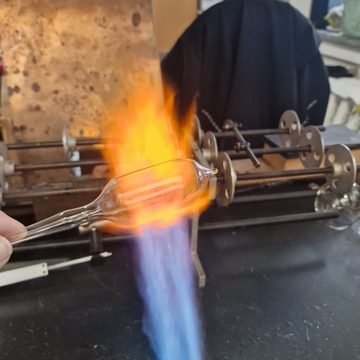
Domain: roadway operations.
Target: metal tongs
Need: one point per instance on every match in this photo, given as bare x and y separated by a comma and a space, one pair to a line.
113, 204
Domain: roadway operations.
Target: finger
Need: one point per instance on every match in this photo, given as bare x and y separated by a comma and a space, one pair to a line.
11, 228
5, 251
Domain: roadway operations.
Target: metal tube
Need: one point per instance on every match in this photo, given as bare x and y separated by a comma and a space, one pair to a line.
284, 173
282, 219
84, 142
275, 150
12, 196
51, 144
56, 244
278, 150
270, 197
58, 165
258, 132
33, 145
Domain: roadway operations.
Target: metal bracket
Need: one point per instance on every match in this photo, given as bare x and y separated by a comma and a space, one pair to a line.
69, 143
311, 137
198, 132
226, 179
342, 178
7, 167
209, 147
194, 229
289, 120
242, 144
194, 237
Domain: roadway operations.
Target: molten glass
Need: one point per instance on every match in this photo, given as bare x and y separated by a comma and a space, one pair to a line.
143, 133
136, 199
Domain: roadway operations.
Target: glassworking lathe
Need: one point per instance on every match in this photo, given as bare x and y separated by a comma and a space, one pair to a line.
325, 173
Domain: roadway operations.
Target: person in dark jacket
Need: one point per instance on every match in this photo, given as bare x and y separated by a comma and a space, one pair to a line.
249, 61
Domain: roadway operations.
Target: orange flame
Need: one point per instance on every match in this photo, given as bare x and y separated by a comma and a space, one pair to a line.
144, 133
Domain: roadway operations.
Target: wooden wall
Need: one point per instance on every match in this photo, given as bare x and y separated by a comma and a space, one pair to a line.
171, 18
67, 61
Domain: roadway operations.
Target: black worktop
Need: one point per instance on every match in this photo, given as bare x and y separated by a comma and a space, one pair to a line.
273, 292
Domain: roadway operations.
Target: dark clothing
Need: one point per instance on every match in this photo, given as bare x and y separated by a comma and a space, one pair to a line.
249, 61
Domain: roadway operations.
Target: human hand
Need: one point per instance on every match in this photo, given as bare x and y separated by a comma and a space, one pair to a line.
9, 229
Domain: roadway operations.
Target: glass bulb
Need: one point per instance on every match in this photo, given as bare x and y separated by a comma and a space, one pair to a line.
348, 206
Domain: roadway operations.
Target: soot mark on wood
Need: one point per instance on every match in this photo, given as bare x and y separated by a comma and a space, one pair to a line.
35, 107
136, 19
35, 87
20, 128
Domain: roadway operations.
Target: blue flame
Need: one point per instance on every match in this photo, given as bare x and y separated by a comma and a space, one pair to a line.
166, 283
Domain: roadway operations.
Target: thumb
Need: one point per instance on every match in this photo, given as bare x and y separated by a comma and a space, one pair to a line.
5, 251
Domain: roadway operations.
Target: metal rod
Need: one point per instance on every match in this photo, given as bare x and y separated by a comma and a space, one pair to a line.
246, 147
59, 165
275, 150
284, 173
279, 150
242, 143
282, 219
258, 132
51, 144
84, 142
270, 197
11, 196
56, 244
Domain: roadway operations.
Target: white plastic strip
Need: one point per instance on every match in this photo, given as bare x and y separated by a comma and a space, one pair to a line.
76, 261
24, 273
31, 272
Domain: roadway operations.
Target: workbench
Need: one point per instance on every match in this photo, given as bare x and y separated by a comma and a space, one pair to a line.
282, 292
